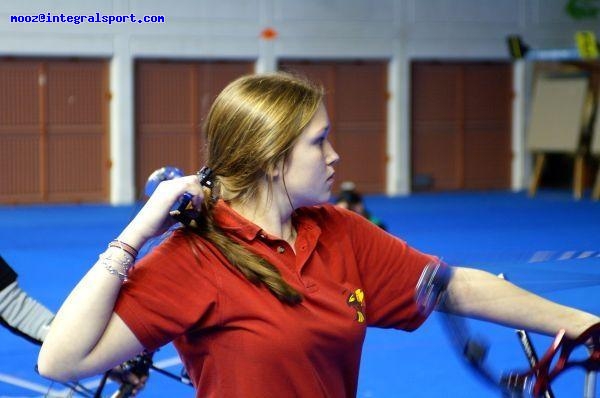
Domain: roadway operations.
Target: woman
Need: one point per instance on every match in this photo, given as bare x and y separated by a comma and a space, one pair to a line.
267, 290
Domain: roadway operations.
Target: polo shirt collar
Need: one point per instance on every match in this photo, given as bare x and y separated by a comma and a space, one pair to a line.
233, 223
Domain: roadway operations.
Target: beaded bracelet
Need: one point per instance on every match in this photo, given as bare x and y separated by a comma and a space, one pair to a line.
132, 251
124, 264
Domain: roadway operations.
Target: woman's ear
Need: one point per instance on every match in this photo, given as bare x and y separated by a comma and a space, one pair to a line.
275, 172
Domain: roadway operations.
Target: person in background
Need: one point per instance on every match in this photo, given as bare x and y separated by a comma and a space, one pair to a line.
26, 317
266, 290
20, 313
349, 198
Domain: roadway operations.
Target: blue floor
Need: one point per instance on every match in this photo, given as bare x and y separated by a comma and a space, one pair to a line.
549, 244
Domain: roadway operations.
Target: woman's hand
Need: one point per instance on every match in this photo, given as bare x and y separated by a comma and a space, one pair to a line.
155, 217
132, 375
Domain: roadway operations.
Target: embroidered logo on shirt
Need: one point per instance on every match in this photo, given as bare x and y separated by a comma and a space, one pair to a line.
356, 300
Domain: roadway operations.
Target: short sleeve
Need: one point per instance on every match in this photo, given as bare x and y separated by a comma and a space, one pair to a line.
170, 291
390, 270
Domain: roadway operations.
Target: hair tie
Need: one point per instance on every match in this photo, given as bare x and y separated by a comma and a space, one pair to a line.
205, 177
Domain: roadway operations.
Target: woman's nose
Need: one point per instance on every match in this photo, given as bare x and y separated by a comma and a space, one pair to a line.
331, 155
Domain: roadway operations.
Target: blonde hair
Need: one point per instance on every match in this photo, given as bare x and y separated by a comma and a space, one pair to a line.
251, 128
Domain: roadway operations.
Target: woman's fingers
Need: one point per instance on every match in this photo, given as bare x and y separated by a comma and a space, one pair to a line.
157, 214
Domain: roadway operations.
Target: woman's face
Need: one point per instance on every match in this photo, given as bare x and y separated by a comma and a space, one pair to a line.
309, 171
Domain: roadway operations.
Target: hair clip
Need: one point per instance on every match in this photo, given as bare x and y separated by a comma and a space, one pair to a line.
205, 177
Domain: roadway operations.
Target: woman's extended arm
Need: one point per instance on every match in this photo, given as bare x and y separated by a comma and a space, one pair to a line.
86, 337
479, 294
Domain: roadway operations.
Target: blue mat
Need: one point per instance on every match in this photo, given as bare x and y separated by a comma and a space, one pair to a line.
548, 244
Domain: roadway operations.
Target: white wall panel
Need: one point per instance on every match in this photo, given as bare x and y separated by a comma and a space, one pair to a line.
58, 45
466, 11
479, 48
334, 49
349, 31
552, 12
194, 47
228, 11
334, 10
56, 7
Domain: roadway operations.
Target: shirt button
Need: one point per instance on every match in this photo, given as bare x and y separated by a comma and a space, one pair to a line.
280, 249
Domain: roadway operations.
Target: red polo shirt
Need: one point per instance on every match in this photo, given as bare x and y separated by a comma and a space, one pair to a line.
237, 340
